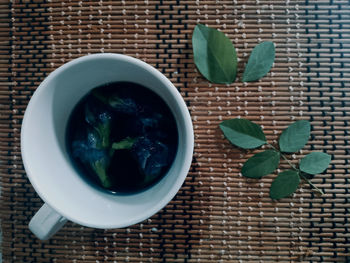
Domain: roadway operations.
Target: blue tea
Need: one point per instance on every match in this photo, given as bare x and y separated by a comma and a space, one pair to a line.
122, 137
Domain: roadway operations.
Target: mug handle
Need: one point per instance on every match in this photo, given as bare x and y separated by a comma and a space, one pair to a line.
46, 222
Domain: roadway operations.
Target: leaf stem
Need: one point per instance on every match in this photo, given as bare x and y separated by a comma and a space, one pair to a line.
310, 183
289, 162
295, 168
273, 147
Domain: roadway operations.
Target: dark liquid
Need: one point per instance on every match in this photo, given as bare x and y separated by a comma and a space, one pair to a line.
119, 112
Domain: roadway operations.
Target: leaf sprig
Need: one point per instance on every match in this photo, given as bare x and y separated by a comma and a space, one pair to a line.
249, 135
216, 59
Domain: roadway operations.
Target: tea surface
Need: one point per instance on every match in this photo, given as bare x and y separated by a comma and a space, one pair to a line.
122, 137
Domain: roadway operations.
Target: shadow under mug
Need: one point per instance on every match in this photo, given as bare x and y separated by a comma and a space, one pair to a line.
67, 195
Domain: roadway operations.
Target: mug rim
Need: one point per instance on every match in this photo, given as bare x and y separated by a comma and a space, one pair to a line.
188, 131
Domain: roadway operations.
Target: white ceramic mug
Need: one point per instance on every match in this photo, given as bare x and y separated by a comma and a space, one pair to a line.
67, 196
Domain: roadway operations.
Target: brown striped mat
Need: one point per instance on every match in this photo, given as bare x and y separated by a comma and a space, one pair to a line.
217, 216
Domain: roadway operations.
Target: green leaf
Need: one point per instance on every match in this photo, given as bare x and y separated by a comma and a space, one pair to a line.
261, 164
214, 54
100, 168
295, 136
104, 129
101, 121
127, 143
243, 133
315, 162
284, 184
260, 61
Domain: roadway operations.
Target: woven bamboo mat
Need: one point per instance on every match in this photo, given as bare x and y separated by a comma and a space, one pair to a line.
218, 216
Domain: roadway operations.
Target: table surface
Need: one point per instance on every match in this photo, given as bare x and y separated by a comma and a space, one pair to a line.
217, 216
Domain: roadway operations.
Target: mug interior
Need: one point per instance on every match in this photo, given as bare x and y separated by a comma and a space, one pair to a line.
45, 155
